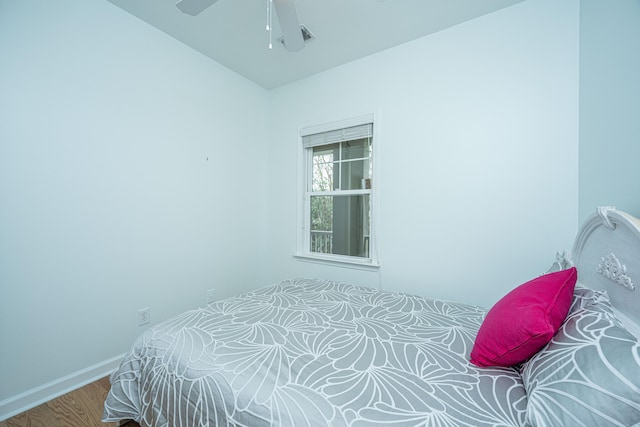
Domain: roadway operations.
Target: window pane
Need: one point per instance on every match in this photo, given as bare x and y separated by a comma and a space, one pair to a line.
356, 149
322, 213
324, 168
322, 224
356, 175
341, 225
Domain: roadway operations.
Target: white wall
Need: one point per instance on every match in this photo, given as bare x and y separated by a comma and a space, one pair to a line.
107, 200
609, 105
479, 148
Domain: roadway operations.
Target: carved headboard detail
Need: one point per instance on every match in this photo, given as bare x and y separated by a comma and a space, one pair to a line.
611, 268
607, 254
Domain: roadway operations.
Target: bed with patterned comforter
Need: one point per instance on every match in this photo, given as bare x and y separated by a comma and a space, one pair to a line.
319, 353
315, 353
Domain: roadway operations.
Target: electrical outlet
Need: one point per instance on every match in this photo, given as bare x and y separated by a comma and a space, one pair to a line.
144, 316
211, 295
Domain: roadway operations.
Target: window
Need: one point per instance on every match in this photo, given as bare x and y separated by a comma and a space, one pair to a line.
338, 192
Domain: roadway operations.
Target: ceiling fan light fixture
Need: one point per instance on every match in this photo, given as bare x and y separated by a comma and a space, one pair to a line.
307, 36
294, 36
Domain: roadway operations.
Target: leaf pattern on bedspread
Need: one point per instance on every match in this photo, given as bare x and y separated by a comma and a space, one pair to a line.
315, 353
589, 373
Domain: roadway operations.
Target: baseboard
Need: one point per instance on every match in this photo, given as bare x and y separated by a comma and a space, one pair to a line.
19, 403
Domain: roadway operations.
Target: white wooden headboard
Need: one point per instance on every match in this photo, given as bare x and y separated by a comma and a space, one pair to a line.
606, 253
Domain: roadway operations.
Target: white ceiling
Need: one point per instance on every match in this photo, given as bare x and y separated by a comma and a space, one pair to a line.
232, 32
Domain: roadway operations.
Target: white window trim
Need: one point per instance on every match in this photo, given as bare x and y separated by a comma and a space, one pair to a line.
302, 249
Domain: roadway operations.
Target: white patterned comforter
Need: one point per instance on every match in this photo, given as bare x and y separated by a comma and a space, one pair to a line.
315, 353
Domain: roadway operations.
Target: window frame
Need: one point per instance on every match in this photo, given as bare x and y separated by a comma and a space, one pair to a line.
305, 157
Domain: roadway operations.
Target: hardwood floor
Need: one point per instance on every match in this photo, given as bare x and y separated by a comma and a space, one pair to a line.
79, 408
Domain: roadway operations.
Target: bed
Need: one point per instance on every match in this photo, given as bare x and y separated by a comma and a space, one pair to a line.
319, 353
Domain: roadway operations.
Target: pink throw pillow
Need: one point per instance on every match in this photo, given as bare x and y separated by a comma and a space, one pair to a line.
524, 320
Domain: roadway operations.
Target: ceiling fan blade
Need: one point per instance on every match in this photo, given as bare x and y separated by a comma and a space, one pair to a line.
289, 24
194, 7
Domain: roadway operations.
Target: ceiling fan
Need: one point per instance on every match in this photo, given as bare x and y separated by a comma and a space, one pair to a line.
292, 33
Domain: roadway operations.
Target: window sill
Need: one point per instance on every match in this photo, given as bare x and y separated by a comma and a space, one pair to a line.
339, 261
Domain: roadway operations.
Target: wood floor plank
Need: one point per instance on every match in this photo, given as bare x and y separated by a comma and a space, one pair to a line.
40, 416
79, 408
68, 412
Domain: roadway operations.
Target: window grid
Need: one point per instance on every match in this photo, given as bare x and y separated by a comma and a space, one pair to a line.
331, 170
